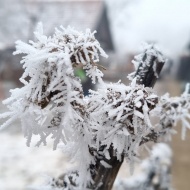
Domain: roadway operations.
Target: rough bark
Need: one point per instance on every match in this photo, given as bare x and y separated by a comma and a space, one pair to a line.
105, 177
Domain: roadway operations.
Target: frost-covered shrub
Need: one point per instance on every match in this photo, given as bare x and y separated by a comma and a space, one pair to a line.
97, 131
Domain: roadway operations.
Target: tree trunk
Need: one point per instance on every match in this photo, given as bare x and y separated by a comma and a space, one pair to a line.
105, 177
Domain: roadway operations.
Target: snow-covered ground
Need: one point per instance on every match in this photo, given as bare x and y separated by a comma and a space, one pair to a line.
22, 166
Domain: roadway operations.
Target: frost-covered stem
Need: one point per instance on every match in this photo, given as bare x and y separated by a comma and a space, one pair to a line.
172, 109
147, 74
149, 68
105, 177
155, 172
152, 136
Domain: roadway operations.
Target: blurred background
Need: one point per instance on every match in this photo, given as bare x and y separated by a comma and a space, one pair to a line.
121, 27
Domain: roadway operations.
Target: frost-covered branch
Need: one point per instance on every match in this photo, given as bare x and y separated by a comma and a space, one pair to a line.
97, 131
148, 65
155, 174
51, 100
171, 111
123, 120
123, 113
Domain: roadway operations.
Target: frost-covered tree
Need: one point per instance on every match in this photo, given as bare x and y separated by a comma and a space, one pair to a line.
97, 131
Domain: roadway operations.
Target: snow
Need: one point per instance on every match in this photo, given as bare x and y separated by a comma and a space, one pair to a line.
105, 164
21, 166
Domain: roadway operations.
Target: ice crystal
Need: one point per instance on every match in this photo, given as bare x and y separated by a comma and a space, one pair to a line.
149, 59
123, 115
173, 110
51, 100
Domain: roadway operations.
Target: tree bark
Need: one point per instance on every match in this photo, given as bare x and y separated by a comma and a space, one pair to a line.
105, 177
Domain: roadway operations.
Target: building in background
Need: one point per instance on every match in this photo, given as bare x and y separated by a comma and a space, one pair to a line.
19, 18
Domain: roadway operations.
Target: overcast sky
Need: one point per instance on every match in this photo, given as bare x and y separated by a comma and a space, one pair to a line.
164, 21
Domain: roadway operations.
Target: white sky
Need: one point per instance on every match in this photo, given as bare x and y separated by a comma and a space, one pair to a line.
164, 21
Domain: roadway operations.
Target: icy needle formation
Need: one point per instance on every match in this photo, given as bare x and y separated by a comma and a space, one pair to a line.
97, 131
51, 100
148, 66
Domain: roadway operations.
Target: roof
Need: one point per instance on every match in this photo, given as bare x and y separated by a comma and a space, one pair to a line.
78, 14
19, 20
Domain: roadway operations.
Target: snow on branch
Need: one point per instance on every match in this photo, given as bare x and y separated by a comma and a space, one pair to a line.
148, 65
98, 130
173, 110
51, 100
155, 172
123, 115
